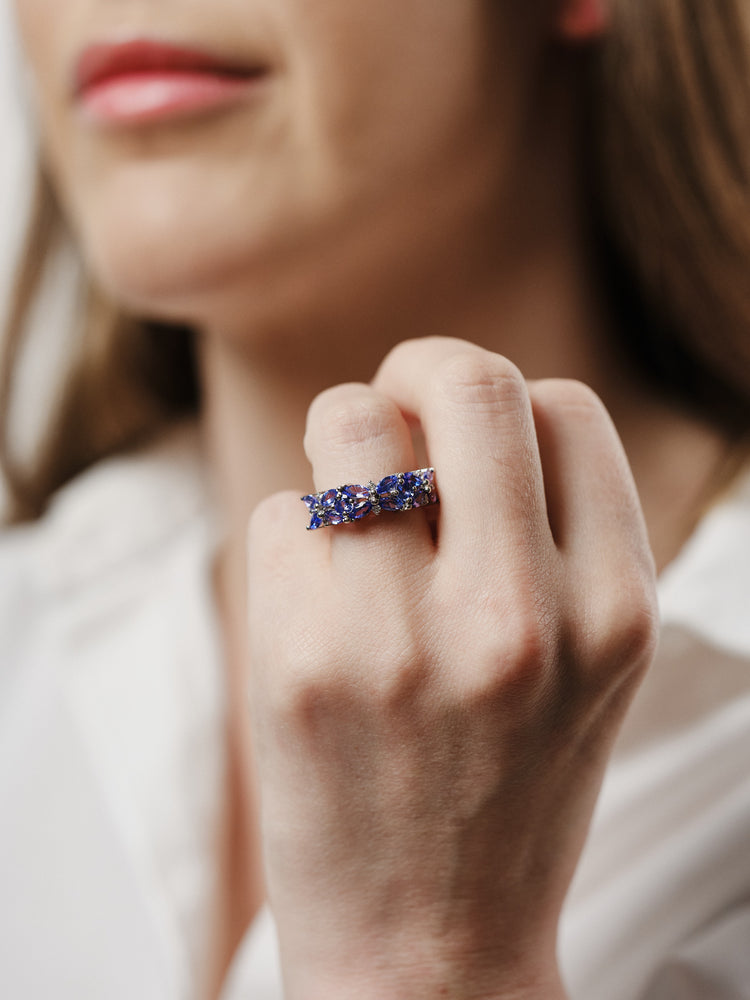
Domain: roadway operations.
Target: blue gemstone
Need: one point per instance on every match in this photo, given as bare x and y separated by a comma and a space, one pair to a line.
332, 508
412, 489
390, 493
424, 488
352, 503
316, 521
355, 502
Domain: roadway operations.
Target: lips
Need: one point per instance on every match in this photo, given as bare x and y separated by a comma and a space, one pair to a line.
142, 81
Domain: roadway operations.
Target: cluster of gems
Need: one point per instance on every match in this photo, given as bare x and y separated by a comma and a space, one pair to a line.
403, 491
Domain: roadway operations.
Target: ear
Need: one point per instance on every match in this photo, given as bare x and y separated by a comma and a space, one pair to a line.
582, 20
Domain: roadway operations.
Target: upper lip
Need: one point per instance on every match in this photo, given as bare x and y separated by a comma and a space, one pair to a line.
105, 60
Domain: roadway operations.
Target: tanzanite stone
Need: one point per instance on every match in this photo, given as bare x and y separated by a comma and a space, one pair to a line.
411, 489
390, 493
355, 502
332, 507
422, 487
316, 513
352, 503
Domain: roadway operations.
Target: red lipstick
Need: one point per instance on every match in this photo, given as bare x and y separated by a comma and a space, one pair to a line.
142, 81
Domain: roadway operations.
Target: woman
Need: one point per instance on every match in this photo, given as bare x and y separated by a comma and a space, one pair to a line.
335, 224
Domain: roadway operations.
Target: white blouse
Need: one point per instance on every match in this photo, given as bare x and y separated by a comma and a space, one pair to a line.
112, 710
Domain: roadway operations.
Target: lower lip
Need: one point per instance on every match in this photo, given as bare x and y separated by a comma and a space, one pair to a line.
154, 96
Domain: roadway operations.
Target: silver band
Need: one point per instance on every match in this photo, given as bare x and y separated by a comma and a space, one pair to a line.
345, 504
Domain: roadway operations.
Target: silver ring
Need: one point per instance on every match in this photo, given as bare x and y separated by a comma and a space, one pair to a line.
346, 504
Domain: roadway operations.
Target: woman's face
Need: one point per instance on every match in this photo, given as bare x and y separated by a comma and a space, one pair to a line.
296, 146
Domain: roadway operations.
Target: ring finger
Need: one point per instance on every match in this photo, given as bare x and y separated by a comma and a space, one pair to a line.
356, 435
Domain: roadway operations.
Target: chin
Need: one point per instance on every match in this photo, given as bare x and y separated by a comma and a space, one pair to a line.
227, 288
157, 239
168, 270
161, 279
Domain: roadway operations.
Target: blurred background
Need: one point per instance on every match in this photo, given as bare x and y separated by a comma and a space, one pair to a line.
50, 325
16, 159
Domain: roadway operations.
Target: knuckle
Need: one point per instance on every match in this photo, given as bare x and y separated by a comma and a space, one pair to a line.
396, 681
525, 647
305, 690
572, 397
639, 632
316, 687
414, 349
513, 664
628, 630
398, 355
480, 379
509, 635
349, 416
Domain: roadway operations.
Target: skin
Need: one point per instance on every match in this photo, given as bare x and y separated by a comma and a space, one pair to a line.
396, 215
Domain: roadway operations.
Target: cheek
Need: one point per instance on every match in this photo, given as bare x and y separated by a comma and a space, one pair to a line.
385, 87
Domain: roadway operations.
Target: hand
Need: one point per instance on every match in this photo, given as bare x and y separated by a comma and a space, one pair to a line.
432, 715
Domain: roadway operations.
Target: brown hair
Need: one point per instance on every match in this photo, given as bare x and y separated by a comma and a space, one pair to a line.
669, 165
671, 127
127, 380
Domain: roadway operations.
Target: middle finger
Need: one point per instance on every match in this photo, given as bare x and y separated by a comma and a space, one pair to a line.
478, 422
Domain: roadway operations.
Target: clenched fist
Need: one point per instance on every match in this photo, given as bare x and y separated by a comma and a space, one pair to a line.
434, 704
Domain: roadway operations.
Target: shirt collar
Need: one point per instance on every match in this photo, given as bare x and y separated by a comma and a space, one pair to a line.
706, 589
123, 506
